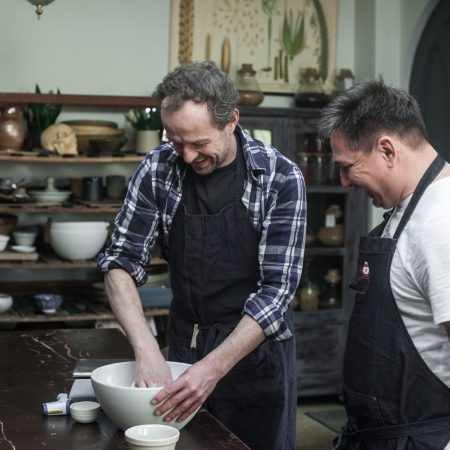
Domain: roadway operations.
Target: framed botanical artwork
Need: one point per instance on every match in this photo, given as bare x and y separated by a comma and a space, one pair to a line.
280, 38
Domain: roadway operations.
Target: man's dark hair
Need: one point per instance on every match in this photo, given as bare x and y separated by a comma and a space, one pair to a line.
367, 110
200, 82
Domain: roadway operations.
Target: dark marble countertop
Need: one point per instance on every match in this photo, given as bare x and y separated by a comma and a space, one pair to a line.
37, 365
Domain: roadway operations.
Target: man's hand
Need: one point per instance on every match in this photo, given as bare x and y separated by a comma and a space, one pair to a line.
187, 393
152, 371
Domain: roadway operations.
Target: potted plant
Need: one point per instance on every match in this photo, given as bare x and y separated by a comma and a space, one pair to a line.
148, 126
40, 116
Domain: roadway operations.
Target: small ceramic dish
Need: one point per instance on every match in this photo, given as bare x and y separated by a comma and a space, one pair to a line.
48, 303
85, 412
23, 248
152, 437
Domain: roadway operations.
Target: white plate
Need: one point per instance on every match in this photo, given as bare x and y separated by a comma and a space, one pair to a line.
23, 248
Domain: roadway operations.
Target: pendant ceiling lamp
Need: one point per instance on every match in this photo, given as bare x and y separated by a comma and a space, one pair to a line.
40, 5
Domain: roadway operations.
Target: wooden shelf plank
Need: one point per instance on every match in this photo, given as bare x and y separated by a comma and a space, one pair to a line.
69, 208
31, 156
52, 262
113, 101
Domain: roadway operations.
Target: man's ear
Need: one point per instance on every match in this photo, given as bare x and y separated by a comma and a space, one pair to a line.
388, 148
231, 125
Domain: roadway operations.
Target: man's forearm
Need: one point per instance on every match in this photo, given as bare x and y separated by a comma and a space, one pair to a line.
127, 308
245, 337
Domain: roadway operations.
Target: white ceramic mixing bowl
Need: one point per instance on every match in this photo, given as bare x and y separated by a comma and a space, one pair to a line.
78, 240
126, 405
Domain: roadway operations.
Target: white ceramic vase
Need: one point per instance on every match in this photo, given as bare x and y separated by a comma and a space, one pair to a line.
146, 140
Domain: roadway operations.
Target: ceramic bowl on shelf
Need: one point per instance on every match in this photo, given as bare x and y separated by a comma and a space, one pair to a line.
6, 302
152, 437
25, 237
78, 240
48, 303
4, 239
125, 404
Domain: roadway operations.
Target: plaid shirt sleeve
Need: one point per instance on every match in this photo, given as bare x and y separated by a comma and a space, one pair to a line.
137, 223
281, 247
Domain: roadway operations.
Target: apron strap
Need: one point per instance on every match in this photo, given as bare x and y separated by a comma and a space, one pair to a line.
399, 431
427, 178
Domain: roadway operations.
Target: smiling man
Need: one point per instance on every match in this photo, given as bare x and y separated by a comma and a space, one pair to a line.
397, 359
229, 213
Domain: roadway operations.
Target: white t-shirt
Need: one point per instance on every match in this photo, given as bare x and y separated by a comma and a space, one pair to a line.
420, 275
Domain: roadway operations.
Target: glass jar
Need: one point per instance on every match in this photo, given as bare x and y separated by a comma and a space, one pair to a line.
309, 290
250, 93
310, 92
332, 233
332, 297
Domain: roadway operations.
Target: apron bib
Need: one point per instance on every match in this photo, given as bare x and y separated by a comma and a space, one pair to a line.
214, 268
393, 400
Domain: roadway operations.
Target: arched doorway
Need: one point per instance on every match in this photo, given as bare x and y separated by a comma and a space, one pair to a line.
430, 77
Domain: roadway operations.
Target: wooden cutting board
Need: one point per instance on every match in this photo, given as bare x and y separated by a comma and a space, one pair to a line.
9, 255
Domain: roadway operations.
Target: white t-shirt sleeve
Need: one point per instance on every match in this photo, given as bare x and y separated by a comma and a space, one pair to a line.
430, 259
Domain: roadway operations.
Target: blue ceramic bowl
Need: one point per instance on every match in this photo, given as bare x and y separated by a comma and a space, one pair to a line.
48, 303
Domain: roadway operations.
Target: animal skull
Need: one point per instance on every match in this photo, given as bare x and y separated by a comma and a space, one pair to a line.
60, 138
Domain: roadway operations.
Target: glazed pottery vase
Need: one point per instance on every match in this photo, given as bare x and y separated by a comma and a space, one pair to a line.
12, 128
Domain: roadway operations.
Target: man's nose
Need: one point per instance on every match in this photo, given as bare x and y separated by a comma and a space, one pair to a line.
189, 154
345, 180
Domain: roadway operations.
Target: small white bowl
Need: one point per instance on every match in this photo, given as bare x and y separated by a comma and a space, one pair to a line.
85, 412
4, 239
25, 238
152, 437
6, 302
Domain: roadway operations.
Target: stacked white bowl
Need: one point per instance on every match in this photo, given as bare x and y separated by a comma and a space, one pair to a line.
85, 412
6, 302
4, 239
78, 240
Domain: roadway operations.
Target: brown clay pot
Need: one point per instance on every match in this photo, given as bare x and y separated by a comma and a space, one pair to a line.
12, 128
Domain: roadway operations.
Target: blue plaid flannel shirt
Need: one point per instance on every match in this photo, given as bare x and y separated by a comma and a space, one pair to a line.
275, 198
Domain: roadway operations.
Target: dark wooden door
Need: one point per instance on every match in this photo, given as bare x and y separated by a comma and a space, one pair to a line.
430, 77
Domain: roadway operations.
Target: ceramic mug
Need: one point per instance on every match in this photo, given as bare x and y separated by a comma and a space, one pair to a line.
115, 186
92, 188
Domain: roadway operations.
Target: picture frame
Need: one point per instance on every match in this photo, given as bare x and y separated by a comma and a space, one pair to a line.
280, 38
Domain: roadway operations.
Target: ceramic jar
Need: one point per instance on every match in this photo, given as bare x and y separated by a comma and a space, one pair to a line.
250, 93
310, 93
147, 140
12, 128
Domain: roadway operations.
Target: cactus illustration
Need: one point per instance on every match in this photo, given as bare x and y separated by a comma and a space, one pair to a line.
323, 65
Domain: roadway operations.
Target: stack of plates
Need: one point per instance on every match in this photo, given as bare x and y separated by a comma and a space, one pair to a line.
50, 197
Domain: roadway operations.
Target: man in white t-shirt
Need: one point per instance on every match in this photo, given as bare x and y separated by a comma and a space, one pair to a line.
397, 359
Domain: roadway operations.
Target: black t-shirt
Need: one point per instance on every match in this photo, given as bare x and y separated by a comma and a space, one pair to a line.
209, 194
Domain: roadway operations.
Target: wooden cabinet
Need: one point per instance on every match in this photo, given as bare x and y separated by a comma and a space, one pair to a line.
320, 333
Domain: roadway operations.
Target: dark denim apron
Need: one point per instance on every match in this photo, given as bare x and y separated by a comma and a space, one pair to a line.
393, 400
214, 268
